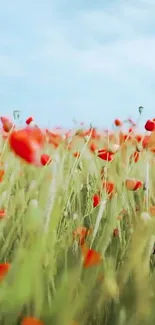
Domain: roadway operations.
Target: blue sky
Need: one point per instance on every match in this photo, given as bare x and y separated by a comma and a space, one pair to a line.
83, 59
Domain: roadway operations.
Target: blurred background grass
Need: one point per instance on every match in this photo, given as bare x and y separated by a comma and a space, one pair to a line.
44, 206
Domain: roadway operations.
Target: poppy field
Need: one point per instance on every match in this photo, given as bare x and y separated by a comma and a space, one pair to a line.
77, 224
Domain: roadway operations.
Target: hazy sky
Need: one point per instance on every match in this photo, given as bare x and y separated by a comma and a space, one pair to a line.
91, 60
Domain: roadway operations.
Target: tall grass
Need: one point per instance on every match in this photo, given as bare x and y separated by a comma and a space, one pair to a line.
44, 206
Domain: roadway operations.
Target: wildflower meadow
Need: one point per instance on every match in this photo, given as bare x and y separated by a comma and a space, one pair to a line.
77, 224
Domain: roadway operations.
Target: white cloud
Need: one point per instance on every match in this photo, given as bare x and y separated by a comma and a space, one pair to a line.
114, 42
110, 43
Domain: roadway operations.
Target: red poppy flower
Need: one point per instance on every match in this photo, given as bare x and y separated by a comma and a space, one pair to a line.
76, 154
109, 187
127, 137
31, 321
138, 138
93, 147
2, 173
150, 125
135, 156
53, 138
4, 268
29, 120
130, 130
118, 122
2, 213
96, 200
7, 124
133, 185
145, 141
93, 133
27, 143
91, 257
45, 159
105, 155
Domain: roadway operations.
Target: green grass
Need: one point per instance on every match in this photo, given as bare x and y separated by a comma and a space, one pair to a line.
47, 279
